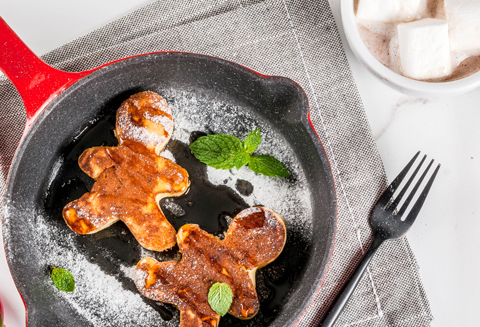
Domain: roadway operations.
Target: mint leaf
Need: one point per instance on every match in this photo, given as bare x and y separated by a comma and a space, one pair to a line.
220, 151
224, 151
63, 279
268, 166
252, 141
220, 297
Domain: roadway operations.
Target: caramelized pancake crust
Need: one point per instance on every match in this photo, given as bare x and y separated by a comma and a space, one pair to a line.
131, 178
255, 238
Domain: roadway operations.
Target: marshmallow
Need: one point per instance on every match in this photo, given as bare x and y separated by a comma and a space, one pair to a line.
463, 18
388, 11
424, 49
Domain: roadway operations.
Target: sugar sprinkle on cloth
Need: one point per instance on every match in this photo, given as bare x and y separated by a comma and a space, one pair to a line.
298, 40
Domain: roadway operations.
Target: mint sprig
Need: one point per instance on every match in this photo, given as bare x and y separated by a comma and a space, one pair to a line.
220, 297
224, 151
63, 279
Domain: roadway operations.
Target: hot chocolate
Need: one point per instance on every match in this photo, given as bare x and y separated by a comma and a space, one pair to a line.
410, 35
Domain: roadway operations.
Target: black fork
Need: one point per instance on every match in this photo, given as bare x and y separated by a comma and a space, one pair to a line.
387, 223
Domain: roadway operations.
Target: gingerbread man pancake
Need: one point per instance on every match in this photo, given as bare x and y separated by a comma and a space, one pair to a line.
255, 238
131, 178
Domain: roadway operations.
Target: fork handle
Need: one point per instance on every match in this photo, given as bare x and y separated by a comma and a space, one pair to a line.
333, 312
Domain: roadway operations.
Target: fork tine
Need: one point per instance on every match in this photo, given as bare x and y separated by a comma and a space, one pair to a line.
388, 193
421, 199
412, 193
407, 185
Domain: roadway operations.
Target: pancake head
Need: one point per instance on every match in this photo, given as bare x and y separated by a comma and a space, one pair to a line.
144, 122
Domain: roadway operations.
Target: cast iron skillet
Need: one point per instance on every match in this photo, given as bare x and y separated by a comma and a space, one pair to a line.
61, 105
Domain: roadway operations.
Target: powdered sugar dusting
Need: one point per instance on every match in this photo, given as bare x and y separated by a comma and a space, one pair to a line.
165, 121
98, 297
289, 197
129, 271
167, 154
139, 133
97, 220
249, 211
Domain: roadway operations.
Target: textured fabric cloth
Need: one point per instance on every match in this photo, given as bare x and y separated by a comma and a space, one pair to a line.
298, 40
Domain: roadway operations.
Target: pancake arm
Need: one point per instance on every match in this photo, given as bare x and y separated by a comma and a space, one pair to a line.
88, 214
258, 236
94, 161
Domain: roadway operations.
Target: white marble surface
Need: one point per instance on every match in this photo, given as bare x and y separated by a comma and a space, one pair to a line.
444, 239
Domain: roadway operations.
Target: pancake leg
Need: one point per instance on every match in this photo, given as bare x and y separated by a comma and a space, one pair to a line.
189, 318
150, 227
159, 281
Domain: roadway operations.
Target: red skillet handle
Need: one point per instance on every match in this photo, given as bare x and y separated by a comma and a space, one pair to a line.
37, 82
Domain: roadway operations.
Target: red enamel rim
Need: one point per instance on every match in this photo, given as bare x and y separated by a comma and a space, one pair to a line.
39, 84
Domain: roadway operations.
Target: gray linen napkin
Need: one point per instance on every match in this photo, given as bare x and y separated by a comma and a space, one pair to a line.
299, 40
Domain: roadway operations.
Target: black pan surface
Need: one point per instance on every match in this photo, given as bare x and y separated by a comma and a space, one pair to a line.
45, 176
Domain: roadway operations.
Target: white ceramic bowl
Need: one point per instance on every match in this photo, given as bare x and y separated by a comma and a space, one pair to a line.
396, 81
